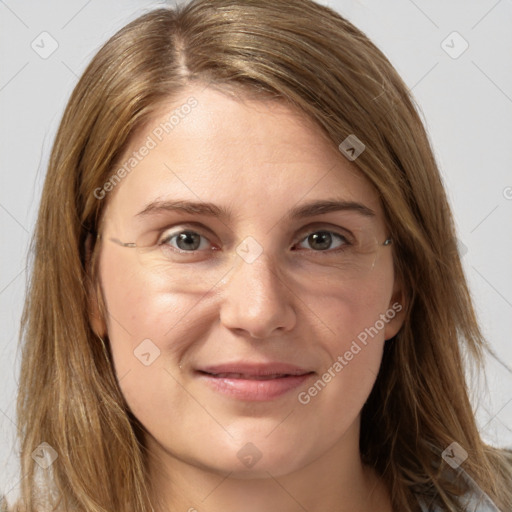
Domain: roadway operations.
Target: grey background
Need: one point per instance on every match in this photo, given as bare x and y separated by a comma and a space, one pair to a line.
466, 103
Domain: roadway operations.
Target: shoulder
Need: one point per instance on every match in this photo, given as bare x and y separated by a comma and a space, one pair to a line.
473, 501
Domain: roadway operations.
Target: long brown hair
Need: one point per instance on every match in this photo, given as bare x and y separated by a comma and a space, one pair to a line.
308, 56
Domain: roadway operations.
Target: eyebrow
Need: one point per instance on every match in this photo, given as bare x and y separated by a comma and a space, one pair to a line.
310, 209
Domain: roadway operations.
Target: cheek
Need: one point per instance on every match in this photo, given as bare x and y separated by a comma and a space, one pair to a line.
147, 324
139, 302
360, 310
357, 319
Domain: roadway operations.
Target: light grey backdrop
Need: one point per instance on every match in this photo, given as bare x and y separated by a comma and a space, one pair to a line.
456, 56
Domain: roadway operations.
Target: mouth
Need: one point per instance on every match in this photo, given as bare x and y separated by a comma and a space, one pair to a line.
249, 377
253, 382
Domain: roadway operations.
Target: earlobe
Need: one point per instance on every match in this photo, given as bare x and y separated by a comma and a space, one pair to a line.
396, 311
96, 317
95, 305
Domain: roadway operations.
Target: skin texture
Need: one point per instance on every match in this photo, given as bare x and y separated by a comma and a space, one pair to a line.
259, 160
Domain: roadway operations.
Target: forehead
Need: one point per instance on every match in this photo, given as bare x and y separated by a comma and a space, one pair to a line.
246, 154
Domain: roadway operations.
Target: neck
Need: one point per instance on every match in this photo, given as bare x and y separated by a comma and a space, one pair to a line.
336, 481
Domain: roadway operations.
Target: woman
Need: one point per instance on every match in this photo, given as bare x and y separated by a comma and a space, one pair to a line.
246, 291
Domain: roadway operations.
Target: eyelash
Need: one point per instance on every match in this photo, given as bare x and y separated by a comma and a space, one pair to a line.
164, 241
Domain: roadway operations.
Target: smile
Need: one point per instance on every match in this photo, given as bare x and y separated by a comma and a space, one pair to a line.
253, 382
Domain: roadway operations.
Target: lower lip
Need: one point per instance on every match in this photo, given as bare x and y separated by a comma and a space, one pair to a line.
252, 389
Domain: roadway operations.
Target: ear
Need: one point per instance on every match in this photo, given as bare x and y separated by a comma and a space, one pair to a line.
397, 310
95, 304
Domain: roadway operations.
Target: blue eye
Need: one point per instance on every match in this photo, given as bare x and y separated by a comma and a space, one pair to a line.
322, 240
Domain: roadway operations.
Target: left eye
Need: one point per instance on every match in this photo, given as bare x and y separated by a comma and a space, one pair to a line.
186, 241
323, 240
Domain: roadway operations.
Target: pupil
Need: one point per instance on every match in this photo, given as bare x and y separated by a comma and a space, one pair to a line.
323, 237
188, 238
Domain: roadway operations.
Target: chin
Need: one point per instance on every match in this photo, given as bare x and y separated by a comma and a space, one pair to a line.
259, 457
267, 466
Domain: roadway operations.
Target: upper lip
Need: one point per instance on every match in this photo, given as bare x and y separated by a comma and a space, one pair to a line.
244, 369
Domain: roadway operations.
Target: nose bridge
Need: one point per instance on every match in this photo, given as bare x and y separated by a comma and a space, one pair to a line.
256, 298
259, 276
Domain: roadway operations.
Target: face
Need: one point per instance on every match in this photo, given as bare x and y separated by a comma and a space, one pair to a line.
240, 328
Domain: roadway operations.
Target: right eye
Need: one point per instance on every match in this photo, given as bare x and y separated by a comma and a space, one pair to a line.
185, 241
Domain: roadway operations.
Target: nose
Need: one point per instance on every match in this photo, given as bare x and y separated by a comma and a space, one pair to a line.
257, 300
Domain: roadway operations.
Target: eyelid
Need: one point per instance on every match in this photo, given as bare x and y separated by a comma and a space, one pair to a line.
186, 226
322, 226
